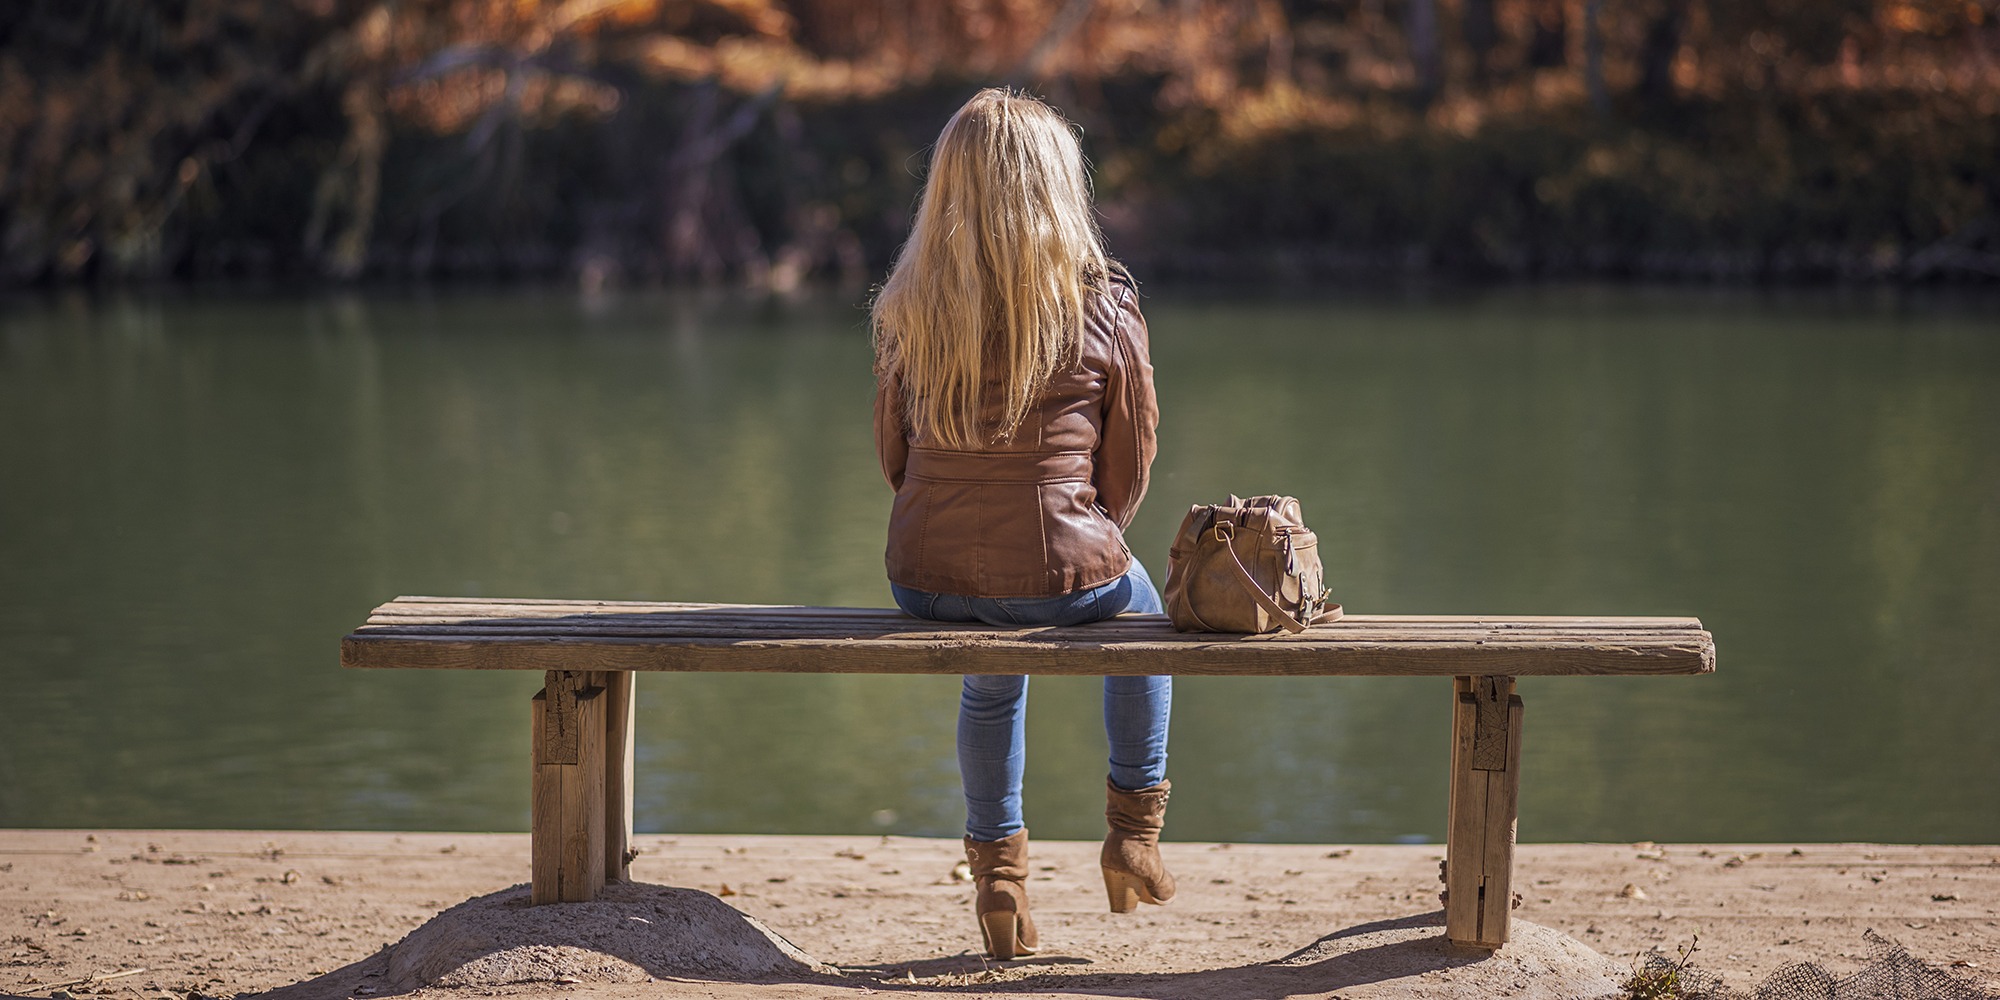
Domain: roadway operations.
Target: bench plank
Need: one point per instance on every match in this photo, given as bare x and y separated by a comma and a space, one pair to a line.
525, 634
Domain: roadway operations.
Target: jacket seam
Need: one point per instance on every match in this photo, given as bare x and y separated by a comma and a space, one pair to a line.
998, 482
924, 527
1131, 366
1042, 529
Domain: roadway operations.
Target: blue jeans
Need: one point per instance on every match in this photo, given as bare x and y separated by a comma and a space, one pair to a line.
993, 709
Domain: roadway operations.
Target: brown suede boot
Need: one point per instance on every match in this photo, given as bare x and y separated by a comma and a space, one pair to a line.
1000, 874
1133, 871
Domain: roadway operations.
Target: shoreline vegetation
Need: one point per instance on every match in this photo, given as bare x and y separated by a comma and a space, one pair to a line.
767, 144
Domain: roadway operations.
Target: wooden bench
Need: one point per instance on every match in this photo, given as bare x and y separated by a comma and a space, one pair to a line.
590, 650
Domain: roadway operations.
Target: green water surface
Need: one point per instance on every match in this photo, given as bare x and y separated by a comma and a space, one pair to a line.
199, 494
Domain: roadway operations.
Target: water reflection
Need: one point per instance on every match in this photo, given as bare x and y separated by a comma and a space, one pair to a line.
202, 494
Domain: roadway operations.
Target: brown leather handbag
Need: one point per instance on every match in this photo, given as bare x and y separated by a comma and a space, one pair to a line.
1246, 566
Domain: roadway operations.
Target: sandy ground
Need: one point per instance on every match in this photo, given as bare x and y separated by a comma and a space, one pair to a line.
221, 913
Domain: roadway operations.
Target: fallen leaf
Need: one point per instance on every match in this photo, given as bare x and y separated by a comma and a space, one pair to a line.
726, 890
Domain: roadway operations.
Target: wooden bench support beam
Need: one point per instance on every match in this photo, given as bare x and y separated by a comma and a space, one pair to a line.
567, 803
619, 716
1485, 800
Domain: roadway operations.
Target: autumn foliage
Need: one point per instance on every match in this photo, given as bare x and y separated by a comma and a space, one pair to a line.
770, 143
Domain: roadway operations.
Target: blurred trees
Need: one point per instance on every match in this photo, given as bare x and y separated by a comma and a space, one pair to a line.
768, 142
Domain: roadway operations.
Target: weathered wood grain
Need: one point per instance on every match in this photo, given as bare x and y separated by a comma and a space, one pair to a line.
583, 873
404, 608
1459, 687
1489, 744
566, 792
1465, 838
520, 606
1354, 658
518, 634
620, 716
1485, 799
544, 811
1503, 800
559, 736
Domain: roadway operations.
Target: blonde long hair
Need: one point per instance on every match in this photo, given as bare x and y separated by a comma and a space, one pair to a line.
1002, 257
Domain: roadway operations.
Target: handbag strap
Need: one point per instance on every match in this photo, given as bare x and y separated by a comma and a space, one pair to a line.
1264, 600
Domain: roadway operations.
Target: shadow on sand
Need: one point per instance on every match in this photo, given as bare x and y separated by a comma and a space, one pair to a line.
637, 932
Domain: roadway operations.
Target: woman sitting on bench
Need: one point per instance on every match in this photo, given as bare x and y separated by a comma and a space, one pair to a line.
1014, 416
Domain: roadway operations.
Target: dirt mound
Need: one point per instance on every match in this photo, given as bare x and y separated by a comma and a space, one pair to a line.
631, 933
1409, 958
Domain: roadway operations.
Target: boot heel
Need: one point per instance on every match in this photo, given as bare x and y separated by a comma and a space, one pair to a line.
1125, 890
998, 927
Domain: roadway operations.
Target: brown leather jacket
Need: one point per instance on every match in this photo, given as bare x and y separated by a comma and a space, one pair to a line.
1044, 513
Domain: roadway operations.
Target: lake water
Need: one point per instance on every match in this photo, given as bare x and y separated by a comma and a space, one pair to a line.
200, 494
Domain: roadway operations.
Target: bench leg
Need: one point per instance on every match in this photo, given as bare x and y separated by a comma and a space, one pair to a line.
566, 837
1485, 798
618, 721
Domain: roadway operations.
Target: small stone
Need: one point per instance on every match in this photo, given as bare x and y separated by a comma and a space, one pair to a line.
1632, 891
